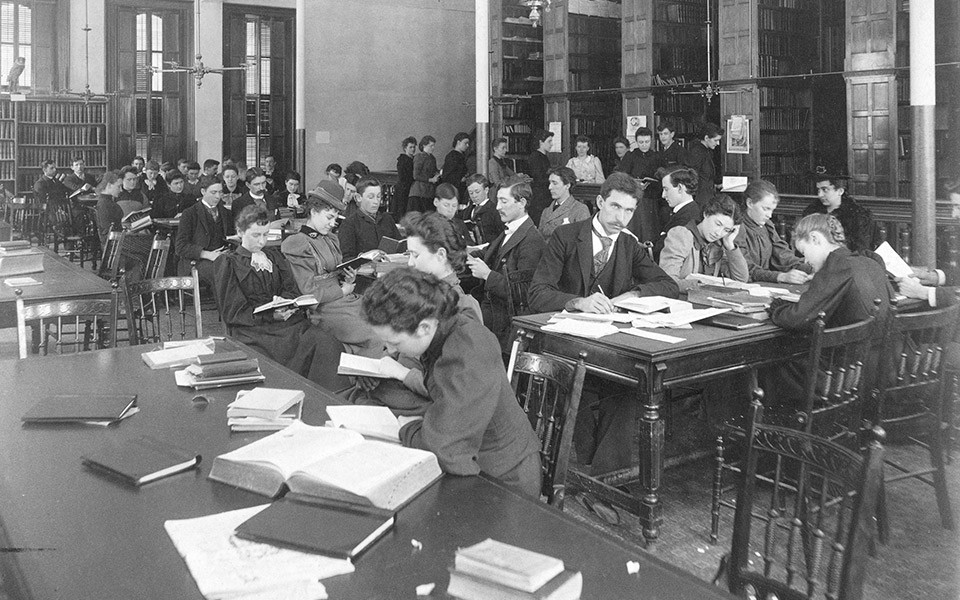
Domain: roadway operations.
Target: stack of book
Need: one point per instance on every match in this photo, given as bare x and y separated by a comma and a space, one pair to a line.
220, 370
492, 569
264, 409
18, 258
178, 354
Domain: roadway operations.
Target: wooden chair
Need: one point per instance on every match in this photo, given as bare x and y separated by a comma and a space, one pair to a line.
157, 259
549, 391
815, 533
80, 324
110, 260
518, 282
160, 309
832, 401
912, 398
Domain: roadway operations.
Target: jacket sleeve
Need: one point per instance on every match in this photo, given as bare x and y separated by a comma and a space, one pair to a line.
186, 247
826, 291
529, 251
626, 163
307, 271
235, 310
463, 403
735, 264
288, 283
673, 258
404, 169
544, 292
597, 170
421, 169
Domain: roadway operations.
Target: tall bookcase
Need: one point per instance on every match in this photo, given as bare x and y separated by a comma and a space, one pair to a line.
39, 128
594, 64
516, 78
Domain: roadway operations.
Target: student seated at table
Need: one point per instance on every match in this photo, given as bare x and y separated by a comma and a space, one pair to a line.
679, 187
202, 234
435, 248
844, 286
707, 246
290, 198
482, 211
565, 208
769, 257
447, 204
233, 187
172, 201
314, 253
589, 265
109, 213
473, 423
519, 248
255, 194
937, 287
251, 276
363, 230
130, 198
151, 183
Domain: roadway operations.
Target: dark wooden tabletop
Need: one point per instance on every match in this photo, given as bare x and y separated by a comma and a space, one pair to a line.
67, 532
59, 279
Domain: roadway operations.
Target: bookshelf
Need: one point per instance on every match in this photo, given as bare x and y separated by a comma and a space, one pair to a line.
516, 75
594, 64
40, 128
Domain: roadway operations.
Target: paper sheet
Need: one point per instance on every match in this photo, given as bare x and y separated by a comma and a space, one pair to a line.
225, 566
677, 319
894, 263
587, 329
660, 337
595, 317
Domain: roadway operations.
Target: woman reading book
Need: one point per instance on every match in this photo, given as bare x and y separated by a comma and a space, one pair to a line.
314, 254
251, 276
473, 423
769, 257
706, 246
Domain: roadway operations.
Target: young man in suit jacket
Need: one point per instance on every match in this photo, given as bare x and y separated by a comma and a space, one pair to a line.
482, 213
679, 187
565, 208
518, 248
256, 193
587, 266
203, 231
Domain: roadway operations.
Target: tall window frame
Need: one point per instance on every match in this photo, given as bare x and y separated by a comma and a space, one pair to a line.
257, 89
16, 38
148, 93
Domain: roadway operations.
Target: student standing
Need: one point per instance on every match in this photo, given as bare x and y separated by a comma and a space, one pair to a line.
455, 164
671, 152
474, 423
404, 176
425, 176
539, 166
498, 170
642, 163
700, 156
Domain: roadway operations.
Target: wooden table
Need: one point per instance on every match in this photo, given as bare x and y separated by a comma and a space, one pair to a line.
706, 353
60, 279
80, 535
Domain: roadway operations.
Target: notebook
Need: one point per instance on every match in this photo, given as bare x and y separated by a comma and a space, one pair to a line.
82, 408
329, 529
141, 460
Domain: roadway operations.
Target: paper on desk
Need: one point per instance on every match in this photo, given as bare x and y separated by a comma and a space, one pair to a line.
677, 320
225, 566
587, 329
650, 304
660, 337
894, 263
720, 281
595, 317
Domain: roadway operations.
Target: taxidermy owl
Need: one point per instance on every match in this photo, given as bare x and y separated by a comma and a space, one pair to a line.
13, 77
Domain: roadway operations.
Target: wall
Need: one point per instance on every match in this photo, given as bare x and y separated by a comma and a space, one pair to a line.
76, 61
381, 70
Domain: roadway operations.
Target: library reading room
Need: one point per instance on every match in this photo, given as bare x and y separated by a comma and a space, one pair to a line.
479, 299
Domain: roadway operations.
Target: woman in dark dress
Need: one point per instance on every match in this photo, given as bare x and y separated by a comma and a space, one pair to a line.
425, 176
539, 167
251, 276
404, 177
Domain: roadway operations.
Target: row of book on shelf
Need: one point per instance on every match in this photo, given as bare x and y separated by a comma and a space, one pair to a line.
55, 112
62, 135
30, 157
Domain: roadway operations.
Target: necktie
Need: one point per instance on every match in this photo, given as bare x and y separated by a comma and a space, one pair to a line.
214, 214
601, 258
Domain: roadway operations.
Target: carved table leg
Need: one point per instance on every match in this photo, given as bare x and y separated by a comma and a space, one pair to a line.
650, 431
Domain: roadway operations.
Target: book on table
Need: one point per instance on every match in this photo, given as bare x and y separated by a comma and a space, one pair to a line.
328, 464
141, 460
193, 375
278, 302
731, 320
260, 424
493, 569
178, 355
262, 402
377, 422
648, 304
330, 529
137, 220
96, 409
16, 282
14, 245
21, 262
233, 368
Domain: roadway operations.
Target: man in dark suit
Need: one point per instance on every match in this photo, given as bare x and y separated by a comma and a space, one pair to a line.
590, 264
256, 193
79, 178
481, 215
679, 187
700, 156
518, 248
203, 231
49, 191
642, 163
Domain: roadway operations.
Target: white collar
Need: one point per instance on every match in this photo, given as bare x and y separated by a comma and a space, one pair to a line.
485, 200
515, 224
599, 232
681, 205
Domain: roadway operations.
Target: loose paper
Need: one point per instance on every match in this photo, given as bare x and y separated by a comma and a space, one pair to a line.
586, 329
894, 263
635, 122
595, 317
738, 135
556, 128
660, 337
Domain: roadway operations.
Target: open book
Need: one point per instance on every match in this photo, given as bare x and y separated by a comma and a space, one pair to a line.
137, 220
376, 422
329, 464
278, 302
359, 261
393, 246
734, 184
359, 366
648, 304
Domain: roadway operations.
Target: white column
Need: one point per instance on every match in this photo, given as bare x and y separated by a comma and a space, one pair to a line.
482, 61
923, 100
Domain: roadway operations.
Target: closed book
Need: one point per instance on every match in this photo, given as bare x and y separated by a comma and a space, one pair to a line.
81, 408
330, 529
568, 585
265, 403
225, 369
141, 460
734, 321
328, 463
219, 357
179, 355
185, 378
507, 565
21, 262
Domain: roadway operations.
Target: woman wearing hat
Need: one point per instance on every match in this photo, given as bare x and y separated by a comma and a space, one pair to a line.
833, 200
314, 254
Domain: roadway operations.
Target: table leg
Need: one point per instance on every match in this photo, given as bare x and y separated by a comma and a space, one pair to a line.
650, 431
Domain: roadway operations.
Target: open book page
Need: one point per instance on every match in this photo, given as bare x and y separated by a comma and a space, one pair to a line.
587, 329
278, 302
371, 421
225, 566
894, 263
385, 474
353, 364
295, 447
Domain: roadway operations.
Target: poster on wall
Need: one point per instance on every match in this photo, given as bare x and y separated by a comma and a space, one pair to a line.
738, 135
634, 123
556, 128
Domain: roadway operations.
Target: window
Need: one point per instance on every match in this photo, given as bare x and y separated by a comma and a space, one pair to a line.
148, 94
257, 90
16, 38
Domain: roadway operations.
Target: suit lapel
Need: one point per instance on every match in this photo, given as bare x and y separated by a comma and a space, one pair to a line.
515, 239
585, 252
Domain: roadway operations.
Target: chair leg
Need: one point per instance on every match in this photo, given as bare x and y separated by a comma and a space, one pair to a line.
717, 491
939, 477
883, 520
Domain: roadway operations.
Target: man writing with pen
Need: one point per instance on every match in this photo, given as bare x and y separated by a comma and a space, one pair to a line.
588, 266
203, 231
